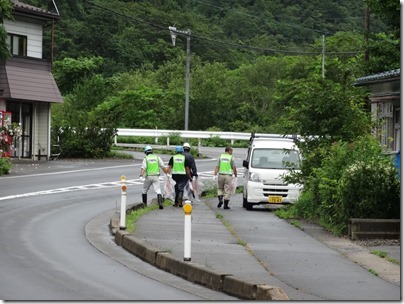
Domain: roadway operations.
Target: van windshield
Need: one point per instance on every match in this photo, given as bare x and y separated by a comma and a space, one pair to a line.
275, 159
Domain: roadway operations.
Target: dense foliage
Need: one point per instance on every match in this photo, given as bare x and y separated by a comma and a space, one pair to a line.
256, 66
355, 180
5, 13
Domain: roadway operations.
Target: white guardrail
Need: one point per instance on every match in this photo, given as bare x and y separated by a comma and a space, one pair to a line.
156, 133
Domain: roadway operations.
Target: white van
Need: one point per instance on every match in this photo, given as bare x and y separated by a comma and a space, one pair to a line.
268, 158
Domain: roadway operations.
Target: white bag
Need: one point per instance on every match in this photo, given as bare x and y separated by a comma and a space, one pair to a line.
169, 191
234, 186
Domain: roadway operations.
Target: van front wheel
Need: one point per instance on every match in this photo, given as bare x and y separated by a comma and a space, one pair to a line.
249, 206
244, 202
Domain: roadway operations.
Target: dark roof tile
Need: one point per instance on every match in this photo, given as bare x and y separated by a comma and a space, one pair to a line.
378, 77
23, 7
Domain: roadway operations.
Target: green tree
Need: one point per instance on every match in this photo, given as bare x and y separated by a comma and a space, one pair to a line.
81, 133
142, 107
328, 110
389, 11
6, 9
384, 53
70, 72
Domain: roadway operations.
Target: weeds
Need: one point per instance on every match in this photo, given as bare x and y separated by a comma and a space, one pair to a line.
383, 255
296, 224
373, 272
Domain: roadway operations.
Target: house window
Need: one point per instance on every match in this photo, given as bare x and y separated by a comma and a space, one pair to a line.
17, 44
386, 132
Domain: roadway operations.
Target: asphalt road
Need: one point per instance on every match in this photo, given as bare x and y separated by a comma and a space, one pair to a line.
45, 208
45, 255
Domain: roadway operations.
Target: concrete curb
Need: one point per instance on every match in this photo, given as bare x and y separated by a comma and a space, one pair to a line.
193, 272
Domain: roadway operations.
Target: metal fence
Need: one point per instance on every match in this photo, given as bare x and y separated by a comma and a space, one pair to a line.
156, 134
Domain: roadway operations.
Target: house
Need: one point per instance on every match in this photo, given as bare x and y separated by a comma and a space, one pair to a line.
27, 86
385, 106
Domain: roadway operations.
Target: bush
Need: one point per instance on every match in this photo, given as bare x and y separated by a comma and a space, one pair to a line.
87, 142
5, 165
355, 180
370, 190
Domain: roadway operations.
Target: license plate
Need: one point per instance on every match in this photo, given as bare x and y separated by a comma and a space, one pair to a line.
275, 199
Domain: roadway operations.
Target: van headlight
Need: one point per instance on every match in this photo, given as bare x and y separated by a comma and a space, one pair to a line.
254, 177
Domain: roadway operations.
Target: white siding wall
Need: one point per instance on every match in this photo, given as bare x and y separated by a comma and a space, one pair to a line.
33, 31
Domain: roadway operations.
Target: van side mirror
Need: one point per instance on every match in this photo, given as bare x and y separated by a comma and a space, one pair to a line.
245, 164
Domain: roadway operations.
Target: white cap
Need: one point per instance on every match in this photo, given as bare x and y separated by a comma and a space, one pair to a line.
186, 145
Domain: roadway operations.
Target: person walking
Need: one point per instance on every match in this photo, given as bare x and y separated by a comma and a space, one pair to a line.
149, 173
225, 168
179, 168
190, 159
194, 171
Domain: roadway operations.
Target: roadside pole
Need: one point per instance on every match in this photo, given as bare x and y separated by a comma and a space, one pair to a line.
122, 225
187, 230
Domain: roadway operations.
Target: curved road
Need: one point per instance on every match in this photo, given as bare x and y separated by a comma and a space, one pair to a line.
44, 252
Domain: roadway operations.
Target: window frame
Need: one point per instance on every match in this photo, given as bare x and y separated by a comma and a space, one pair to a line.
22, 44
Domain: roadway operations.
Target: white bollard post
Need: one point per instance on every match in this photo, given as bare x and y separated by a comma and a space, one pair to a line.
122, 225
187, 230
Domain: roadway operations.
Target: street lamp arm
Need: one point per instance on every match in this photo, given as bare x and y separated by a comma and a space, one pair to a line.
174, 30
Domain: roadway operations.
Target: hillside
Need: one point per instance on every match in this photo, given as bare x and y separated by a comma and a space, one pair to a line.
129, 34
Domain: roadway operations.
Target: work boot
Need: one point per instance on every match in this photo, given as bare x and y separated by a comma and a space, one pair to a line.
226, 204
180, 195
160, 201
220, 197
144, 199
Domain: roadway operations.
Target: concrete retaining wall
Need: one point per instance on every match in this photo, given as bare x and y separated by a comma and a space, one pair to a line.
359, 229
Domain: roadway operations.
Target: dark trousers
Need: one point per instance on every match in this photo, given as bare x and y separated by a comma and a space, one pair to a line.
181, 181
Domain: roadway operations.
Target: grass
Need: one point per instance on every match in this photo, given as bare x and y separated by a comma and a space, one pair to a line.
134, 215
373, 272
230, 228
296, 224
117, 154
379, 253
384, 255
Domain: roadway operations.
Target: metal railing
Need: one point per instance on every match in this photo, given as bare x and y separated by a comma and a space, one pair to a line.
156, 133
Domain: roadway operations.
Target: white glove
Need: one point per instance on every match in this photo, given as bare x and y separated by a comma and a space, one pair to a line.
214, 177
142, 179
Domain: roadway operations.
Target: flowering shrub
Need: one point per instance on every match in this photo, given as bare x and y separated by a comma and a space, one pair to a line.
7, 135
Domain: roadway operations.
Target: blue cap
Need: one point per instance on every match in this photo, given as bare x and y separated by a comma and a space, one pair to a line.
179, 149
148, 148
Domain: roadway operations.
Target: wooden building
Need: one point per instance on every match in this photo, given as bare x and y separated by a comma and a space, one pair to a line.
385, 106
27, 86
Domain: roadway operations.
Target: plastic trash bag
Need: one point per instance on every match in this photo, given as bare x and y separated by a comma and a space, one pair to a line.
196, 188
233, 186
169, 191
187, 194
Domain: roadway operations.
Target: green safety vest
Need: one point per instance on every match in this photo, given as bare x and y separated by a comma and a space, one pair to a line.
225, 164
152, 165
179, 164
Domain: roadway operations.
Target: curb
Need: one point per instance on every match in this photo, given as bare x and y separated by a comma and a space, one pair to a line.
193, 272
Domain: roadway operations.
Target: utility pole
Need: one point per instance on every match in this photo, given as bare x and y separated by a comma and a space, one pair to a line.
174, 32
367, 25
323, 58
